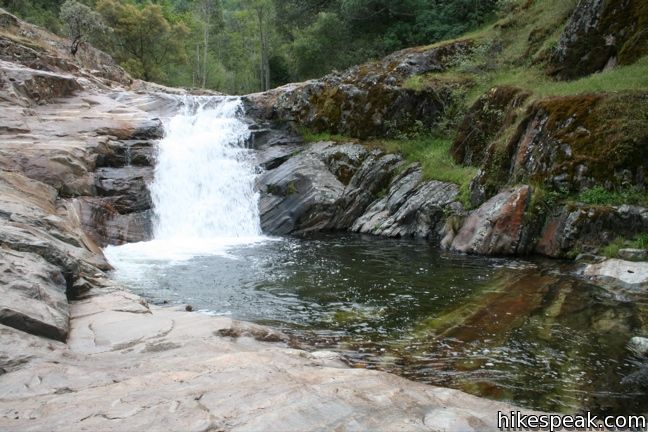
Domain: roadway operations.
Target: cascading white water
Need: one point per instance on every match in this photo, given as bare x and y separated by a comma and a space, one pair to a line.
204, 178
203, 190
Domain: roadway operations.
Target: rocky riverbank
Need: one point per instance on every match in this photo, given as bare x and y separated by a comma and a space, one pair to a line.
77, 351
77, 152
127, 365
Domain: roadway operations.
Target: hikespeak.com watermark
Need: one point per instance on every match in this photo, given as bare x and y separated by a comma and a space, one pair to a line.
517, 421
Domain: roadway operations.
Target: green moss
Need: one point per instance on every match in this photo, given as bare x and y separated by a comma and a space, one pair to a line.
605, 133
630, 24
291, 189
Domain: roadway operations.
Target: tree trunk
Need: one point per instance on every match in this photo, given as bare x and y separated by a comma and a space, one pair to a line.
205, 43
263, 39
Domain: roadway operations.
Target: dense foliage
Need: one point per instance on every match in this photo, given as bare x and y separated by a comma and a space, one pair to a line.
240, 46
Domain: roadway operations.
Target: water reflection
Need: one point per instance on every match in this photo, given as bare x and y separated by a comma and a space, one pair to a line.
510, 330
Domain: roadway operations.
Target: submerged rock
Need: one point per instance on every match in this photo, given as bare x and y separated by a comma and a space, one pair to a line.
128, 363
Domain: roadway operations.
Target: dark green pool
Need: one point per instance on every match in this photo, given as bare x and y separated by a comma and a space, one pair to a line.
521, 331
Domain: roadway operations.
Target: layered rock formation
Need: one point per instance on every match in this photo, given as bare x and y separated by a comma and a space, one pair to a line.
552, 148
76, 155
330, 187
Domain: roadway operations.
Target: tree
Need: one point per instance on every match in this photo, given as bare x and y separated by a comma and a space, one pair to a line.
80, 22
262, 10
210, 14
145, 42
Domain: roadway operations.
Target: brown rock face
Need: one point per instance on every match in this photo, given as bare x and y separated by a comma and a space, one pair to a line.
577, 228
497, 227
486, 118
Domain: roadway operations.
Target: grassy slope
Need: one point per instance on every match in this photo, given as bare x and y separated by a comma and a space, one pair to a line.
511, 51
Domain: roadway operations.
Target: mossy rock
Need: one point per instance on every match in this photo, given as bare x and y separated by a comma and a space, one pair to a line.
577, 142
487, 117
372, 99
570, 144
601, 33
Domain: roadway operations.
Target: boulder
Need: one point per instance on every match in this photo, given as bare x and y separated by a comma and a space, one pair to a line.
298, 196
33, 295
497, 227
625, 273
599, 35
582, 228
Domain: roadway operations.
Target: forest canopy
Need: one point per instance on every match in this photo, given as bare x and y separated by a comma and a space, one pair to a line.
243, 46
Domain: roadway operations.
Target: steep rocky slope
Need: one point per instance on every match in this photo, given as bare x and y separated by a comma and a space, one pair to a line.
77, 149
537, 145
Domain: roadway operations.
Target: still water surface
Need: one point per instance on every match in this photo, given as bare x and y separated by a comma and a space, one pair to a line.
510, 330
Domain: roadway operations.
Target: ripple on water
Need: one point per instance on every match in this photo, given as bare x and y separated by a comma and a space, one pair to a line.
507, 329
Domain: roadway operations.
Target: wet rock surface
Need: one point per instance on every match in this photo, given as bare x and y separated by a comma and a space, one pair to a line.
628, 273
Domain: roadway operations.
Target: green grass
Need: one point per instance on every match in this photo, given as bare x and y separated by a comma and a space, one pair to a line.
521, 65
436, 163
622, 78
612, 249
312, 136
598, 195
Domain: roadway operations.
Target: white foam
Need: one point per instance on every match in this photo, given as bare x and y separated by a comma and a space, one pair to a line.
203, 193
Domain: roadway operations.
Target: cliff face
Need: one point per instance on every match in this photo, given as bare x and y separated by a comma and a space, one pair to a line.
75, 156
538, 146
77, 144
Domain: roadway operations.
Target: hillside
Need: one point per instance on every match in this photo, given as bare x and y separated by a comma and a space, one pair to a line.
125, 206
545, 115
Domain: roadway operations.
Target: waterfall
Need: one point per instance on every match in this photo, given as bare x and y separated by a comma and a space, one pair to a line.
204, 177
203, 193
